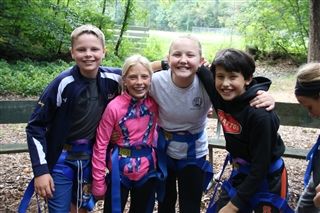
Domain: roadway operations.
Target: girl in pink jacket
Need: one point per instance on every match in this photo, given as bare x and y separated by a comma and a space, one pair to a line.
129, 163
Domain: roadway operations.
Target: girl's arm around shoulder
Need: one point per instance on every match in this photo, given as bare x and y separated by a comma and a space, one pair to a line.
263, 100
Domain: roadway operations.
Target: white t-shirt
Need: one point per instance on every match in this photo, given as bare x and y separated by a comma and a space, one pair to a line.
181, 109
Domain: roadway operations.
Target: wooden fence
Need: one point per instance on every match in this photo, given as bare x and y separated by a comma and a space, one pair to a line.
291, 114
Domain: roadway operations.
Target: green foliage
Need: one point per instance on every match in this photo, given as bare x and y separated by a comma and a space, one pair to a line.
40, 30
279, 26
156, 48
27, 77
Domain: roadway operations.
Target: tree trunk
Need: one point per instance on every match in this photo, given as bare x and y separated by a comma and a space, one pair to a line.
63, 29
124, 25
314, 31
103, 11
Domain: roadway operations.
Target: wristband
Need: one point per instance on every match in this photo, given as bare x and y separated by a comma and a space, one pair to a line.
164, 65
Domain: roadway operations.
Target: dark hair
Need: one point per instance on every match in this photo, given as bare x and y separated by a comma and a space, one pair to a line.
233, 60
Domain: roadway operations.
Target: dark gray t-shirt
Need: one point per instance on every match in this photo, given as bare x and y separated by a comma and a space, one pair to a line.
87, 114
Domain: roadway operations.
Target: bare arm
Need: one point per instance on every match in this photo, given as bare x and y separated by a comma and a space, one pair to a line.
263, 100
156, 66
159, 65
229, 208
316, 199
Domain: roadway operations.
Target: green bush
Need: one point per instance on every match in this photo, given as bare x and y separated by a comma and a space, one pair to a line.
28, 78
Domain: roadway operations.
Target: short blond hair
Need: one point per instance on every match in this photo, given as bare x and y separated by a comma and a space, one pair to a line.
132, 61
308, 73
190, 37
87, 29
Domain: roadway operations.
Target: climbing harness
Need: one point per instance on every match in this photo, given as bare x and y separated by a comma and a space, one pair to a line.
122, 156
166, 137
74, 162
310, 157
241, 166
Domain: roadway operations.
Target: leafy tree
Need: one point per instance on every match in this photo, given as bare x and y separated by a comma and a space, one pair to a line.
276, 26
314, 36
128, 12
40, 29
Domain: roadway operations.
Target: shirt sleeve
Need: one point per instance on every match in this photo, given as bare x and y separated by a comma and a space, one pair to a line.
37, 128
99, 166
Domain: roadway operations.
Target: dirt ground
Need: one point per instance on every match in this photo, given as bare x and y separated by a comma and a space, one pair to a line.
15, 172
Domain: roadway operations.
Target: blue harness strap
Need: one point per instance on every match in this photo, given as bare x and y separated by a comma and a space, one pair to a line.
162, 166
115, 181
310, 157
186, 137
70, 153
117, 178
23, 206
262, 196
212, 207
244, 167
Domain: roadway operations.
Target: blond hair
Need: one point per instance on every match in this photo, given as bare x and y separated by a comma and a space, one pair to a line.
308, 73
87, 29
132, 61
190, 37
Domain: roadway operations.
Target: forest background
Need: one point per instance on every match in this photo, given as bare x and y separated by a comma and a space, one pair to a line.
35, 35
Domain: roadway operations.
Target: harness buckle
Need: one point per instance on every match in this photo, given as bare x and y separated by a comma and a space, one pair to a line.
67, 147
124, 152
168, 136
235, 165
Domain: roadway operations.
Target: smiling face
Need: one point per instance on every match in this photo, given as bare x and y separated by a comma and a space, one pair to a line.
137, 81
88, 51
230, 84
184, 59
311, 104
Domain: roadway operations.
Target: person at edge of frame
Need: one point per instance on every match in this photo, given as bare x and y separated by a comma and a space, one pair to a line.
307, 92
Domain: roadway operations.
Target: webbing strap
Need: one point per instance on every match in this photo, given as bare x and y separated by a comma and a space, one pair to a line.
273, 199
166, 137
267, 197
310, 156
207, 168
115, 181
212, 205
162, 167
23, 206
245, 169
91, 203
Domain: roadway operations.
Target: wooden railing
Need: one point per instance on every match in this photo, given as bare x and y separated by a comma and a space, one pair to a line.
291, 114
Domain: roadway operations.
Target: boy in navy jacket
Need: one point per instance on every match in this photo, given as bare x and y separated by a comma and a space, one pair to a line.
62, 128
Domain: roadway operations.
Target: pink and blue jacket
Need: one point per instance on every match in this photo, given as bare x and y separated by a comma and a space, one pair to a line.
134, 120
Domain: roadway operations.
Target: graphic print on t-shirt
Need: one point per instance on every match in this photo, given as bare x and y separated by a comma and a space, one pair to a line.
229, 124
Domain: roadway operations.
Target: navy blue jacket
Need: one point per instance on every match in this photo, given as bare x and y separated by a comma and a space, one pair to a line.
49, 124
